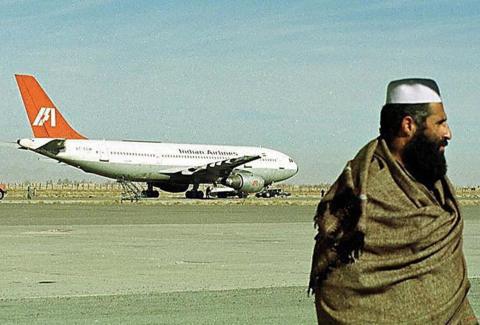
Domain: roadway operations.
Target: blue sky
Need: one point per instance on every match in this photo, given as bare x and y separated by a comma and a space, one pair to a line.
304, 77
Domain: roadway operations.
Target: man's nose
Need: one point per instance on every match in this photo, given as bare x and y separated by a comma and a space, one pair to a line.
448, 133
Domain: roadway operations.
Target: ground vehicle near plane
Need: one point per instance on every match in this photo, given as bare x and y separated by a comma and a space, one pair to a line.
3, 191
272, 192
171, 167
224, 192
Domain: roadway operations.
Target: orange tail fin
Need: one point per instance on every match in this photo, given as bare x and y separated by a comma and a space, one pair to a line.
45, 119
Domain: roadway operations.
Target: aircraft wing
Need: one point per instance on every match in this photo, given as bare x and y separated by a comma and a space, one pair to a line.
218, 169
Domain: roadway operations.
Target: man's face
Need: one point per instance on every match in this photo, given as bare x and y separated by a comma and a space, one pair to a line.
424, 154
436, 127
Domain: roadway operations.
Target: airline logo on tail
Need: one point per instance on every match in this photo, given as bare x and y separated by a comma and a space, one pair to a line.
45, 119
45, 114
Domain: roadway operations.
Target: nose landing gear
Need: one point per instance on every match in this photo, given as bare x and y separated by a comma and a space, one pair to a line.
150, 192
194, 193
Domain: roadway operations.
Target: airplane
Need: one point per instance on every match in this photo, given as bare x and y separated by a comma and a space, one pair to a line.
171, 167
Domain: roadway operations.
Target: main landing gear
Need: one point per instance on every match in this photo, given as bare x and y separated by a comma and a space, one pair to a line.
150, 192
194, 193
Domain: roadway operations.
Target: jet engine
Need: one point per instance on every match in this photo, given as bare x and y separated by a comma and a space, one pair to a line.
244, 182
172, 187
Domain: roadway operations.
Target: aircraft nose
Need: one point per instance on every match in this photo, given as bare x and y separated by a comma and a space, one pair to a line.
294, 167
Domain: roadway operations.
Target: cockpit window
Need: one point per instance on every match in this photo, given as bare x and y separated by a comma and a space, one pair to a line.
290, 160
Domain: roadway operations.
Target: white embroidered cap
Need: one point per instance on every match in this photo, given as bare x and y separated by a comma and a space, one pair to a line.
413, 91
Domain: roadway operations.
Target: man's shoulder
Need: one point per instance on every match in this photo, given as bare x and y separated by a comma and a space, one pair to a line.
377, 167
382, 187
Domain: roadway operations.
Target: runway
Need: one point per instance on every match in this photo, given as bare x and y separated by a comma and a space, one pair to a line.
172, 264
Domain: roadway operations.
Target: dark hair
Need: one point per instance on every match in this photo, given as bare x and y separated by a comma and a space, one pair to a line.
392, 115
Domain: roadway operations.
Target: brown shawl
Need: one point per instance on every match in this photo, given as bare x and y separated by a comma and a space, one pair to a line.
388, 250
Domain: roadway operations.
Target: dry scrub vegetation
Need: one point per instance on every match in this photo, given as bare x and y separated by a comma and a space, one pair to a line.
110, 192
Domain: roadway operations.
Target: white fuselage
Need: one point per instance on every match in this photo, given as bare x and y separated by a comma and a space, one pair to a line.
154, 161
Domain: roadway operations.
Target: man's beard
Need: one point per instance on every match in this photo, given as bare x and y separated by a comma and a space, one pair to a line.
424, 160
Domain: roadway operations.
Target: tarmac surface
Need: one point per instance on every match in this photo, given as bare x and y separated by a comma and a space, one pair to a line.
173, 264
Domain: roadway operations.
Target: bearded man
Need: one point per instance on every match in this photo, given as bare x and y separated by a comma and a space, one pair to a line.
389, 242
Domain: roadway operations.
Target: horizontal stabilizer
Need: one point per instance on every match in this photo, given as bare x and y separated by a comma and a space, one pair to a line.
8, 144
52, 146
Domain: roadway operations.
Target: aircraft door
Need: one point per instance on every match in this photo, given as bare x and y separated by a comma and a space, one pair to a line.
104, 152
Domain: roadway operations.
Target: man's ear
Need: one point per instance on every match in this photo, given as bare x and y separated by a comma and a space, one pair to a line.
408, 127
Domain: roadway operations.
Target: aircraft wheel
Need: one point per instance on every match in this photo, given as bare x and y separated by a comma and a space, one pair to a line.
1, 195
150, 194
